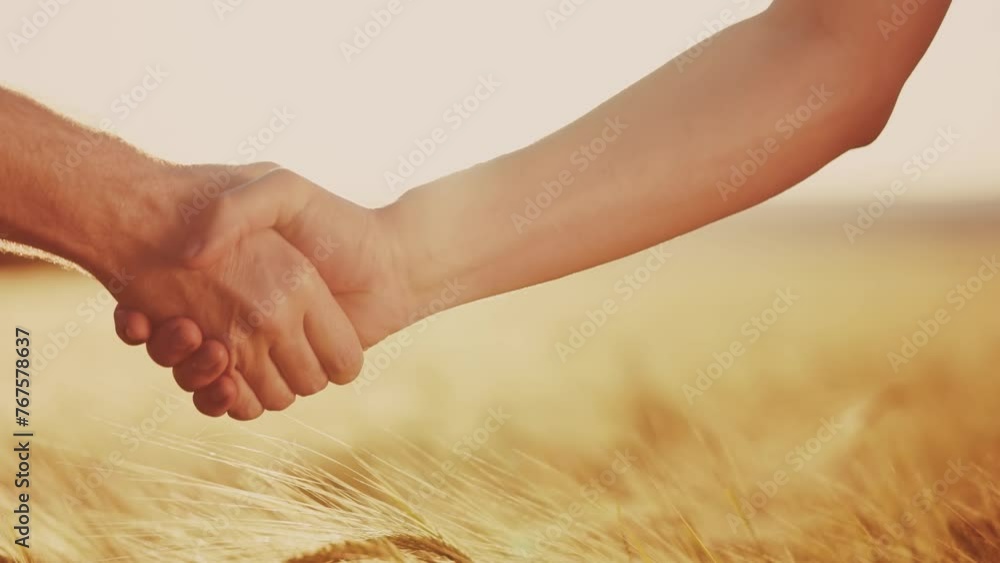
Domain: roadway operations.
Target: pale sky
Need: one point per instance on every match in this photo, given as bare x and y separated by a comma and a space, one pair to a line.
220, 71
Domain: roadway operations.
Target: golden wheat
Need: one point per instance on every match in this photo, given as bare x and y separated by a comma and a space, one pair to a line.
387, 548
912, 472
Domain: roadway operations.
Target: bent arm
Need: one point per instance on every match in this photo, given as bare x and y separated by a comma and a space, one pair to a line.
725, 126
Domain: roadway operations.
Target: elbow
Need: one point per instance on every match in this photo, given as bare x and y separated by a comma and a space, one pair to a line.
868, 66
869, 117
873, 97
873, 91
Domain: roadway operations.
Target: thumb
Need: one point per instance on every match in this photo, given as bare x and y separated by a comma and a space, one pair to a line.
133, 327
269, 202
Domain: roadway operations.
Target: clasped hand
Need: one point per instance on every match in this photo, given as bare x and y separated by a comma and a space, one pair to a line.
281, 287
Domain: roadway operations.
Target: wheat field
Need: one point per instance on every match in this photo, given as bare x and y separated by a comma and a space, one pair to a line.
741, 403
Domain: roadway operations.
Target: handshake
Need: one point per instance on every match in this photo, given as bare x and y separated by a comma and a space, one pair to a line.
274, 289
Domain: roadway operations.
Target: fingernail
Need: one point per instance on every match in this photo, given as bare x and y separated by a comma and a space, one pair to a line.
131, 333
192, 250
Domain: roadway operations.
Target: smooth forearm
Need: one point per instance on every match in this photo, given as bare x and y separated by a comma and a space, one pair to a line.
73, 192
764, 105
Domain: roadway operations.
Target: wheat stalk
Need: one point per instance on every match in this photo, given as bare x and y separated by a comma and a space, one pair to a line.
428, 549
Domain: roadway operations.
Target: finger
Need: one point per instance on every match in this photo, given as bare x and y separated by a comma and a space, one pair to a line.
173, 341
271, 201
216, 399
268, 384
334, 340
203, 367
298, 364
132, 327
245, 406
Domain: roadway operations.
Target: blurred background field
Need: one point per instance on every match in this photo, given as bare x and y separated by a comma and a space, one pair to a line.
478, 442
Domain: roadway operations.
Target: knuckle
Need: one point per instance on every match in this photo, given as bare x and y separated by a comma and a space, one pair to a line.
313, 384
290, 182
346, 365
277, 401
284, 175
184, 337
265, 166
212, 361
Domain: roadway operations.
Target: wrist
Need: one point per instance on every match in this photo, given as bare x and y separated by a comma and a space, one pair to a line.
412, 259
443, 235
98, 223
475, 230
131, 221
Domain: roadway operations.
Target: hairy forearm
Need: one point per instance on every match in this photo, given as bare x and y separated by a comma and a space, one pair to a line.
73, 192
757, 109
